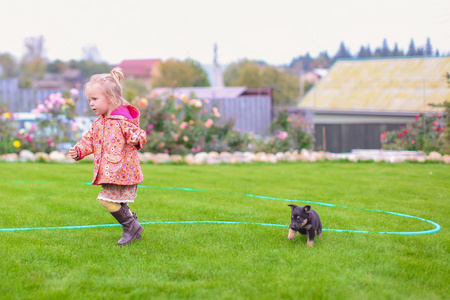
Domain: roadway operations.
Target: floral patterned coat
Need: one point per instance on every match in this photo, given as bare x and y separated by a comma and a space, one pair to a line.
115, 158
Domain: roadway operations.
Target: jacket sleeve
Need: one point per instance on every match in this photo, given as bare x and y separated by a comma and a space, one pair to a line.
129, 130
85, 146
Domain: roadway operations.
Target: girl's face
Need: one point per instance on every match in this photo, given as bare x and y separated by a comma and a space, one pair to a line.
99, 102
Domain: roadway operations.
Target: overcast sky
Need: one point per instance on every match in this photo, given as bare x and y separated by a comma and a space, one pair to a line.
269, 30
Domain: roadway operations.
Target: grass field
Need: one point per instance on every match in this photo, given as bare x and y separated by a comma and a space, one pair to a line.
228, 261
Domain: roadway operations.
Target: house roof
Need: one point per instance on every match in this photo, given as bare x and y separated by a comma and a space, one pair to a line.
392, 84
138, 67
205, 92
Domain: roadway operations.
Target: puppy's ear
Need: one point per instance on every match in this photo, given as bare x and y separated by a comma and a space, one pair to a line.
292, 206
307, 209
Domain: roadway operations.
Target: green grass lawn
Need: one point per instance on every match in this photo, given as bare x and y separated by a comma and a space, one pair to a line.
227, 261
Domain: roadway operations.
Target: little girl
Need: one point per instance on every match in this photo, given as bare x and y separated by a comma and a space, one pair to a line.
114, 138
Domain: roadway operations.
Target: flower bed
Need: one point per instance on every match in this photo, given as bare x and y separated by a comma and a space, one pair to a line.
213, 157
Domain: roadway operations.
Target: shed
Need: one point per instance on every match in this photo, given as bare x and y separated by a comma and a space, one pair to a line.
360, 99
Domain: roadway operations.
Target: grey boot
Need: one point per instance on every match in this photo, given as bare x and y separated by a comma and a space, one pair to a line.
131, 227
139, 236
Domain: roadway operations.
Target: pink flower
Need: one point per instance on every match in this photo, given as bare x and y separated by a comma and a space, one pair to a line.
150, 126
417, 117
49, 140
209, 123
383, 135
282, 135
74, 92
399, 134
412, 142
184, 125
436, 123
74, 126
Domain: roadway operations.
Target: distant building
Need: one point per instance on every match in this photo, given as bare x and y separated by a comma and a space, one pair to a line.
143, 70
359, 99
314, 76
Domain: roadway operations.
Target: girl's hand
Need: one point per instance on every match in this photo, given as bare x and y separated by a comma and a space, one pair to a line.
73, 153
135, 139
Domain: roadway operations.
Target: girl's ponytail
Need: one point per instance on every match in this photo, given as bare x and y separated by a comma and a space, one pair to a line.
117, 74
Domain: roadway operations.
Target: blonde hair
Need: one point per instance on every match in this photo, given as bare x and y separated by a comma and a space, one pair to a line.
111, 85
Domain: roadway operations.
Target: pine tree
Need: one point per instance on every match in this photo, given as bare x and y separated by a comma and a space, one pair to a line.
342, 52
420, 52
385, 52
368, 51
362, 52
411, 49
428, 48
396, 51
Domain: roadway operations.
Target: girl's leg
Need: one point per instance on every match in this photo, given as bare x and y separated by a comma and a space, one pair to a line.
112, 206
121, 212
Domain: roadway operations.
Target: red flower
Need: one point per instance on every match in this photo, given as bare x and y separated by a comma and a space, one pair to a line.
399, 134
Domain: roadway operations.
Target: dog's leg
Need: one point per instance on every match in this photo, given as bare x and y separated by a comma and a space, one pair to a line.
291, 234
310, 241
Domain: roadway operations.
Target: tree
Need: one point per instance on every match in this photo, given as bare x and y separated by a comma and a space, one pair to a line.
362, 52
33, 63
322, 61
244, 73
91, 53
8, 66
420, 52
133, 89
385, 52
253, 75
396, 51
301, 63
186, 73
343, 52
377, 52
411, 49
57, 66
369, 51
428, 48
89, 68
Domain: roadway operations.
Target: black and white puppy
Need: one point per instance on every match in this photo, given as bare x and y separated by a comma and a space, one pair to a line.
306, 221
